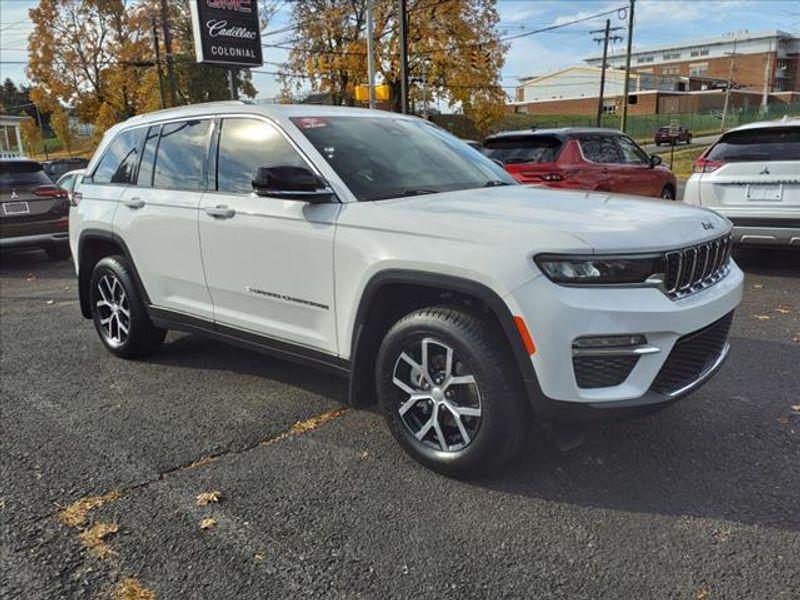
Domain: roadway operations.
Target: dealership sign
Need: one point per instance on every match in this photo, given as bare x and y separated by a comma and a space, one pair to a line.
227, 32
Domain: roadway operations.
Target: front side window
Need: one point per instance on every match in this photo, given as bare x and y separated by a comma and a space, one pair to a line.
181, 154
118, 164
600, 149
523, 149
766, 144
246, 144
388, 157
631, 153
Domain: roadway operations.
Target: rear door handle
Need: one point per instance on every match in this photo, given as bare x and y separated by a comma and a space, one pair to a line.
133, 202
220, 212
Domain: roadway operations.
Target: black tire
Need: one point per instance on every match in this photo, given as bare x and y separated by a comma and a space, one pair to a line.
478, 349
57, 251
667, 193
142, 337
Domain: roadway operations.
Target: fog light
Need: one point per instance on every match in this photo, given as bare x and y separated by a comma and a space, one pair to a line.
610, 341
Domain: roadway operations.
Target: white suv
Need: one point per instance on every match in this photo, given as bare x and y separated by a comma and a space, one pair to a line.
382, 248
752, 176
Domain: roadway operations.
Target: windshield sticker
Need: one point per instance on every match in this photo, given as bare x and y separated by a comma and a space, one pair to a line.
311, 122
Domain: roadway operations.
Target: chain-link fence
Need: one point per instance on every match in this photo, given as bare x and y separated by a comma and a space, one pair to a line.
640, 127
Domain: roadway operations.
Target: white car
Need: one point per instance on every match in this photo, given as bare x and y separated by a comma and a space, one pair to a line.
382, 248
71, 181
752, 177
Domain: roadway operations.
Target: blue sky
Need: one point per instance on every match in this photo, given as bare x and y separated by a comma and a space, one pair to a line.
657, 22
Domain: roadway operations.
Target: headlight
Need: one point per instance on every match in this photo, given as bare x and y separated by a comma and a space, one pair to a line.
602, 270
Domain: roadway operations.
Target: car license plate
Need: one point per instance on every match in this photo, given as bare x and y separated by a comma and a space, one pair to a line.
773, 193
16, 208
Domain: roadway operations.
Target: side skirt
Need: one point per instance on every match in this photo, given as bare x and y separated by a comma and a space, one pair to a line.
167, 319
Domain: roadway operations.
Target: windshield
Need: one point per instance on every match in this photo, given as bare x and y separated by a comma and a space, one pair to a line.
384, 157
767, 144
523, 149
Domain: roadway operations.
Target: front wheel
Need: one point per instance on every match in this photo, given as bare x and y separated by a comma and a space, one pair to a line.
118, 312
448, 392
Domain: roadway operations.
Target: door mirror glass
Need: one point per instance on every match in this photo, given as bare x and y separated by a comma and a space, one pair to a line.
290, 183
655, 160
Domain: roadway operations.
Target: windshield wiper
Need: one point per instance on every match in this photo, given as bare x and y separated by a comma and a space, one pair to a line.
416, 192
495, 183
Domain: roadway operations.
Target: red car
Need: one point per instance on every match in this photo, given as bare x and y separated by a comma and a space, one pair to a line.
584, 159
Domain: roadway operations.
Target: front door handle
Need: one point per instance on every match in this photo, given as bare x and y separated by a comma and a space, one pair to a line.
220, 212
133, 202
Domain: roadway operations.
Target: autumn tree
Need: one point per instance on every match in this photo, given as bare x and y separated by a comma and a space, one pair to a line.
456, 40
61, 127
31, 136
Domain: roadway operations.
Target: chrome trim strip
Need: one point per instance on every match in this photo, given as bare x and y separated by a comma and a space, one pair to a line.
633, 351
704, 376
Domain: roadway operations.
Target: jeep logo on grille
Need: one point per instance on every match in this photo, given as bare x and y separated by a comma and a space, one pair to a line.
707, 225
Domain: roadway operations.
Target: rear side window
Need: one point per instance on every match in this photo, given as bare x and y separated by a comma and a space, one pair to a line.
523, 149
245, 145
767, 144
145, 177
118, 164
17, 174
181, 154
601, 149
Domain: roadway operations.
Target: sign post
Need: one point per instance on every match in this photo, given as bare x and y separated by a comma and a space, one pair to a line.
227, 34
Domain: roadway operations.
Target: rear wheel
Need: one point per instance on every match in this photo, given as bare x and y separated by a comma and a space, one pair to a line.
57, 251
118, 312
667, 193
447, 391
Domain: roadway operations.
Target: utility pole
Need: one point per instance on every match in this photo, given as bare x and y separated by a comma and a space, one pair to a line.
158, 64
371, 53
626, 84
604, 40
767, 80
425, 66
168, 51
403, 56
728, 87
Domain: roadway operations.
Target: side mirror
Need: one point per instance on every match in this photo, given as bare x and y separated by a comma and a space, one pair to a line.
655, 160
290, 183
498, 162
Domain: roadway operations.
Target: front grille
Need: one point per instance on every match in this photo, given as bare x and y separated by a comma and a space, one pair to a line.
694, 268
691, 355
602, 371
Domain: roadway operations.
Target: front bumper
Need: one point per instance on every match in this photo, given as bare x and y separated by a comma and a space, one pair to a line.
556, 316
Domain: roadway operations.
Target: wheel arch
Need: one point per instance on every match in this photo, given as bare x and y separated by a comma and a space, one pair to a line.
393, 293
94, 245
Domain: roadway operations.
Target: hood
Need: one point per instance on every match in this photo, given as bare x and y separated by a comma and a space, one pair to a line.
603, 222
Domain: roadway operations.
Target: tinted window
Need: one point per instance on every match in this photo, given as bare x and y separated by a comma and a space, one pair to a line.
631, 153
145, 177
601, 149
118, 164
773, 143
22, 173
246, 144
523, 149
388, 157
181, 153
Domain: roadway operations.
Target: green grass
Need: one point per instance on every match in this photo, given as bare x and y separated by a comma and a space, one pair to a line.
683, 160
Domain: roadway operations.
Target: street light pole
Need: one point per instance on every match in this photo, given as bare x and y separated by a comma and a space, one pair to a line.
371, 53
403, 56
158, 64
626, 84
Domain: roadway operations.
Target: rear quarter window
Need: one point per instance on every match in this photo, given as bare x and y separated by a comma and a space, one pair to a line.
767, 144
120, 159
523, 149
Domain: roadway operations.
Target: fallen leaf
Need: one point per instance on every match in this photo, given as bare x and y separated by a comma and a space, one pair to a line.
796, 337
75, 514
208, 497
208, 523
701, 594
93, 538
762, 317
51, 302
260, 556
783, 420
130, 589
757, 286
795, 408
783, 311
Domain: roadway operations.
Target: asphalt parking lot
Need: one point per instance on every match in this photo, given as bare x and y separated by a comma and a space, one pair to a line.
103, 460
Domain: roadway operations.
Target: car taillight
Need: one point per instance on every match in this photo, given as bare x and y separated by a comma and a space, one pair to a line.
75, 198
704, 165
50, 192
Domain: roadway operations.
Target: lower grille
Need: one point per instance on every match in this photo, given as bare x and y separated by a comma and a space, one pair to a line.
691, 355
602, 371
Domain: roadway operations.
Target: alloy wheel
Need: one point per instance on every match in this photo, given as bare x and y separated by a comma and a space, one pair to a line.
113, 311
441, 403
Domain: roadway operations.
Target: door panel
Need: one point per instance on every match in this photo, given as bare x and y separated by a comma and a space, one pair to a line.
268, 262
635, 176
